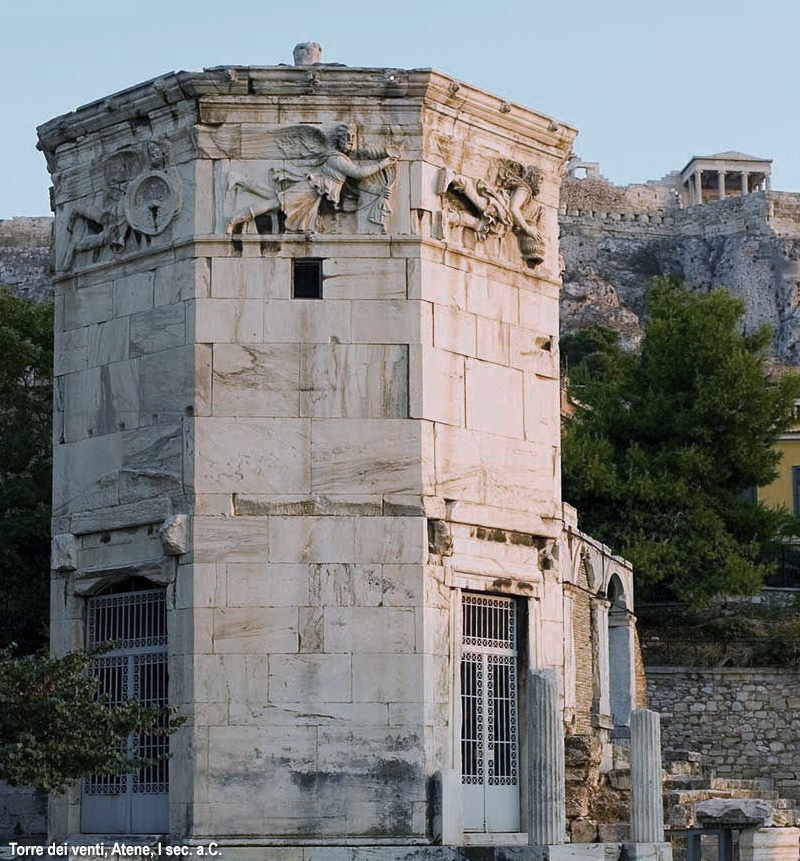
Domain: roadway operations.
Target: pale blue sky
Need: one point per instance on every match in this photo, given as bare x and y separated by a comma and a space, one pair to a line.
649, 83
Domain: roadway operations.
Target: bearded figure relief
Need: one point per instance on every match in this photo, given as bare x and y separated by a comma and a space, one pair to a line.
494, 210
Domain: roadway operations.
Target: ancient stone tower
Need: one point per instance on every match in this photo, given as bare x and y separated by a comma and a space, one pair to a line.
307, 456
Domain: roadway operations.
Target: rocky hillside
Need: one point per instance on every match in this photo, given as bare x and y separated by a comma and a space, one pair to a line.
611, 251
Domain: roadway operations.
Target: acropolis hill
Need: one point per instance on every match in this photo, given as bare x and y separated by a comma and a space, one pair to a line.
614, 239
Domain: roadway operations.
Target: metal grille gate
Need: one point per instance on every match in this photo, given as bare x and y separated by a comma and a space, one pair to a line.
489, 750
136, 622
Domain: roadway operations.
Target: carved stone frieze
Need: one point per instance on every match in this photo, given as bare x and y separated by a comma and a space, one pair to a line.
139, 199
317, 176
508, 205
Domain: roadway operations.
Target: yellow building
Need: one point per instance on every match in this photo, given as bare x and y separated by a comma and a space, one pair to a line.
785, 490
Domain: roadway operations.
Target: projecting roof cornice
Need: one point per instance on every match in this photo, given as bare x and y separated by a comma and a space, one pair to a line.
212, 93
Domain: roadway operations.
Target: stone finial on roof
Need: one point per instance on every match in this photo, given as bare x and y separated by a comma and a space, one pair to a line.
307, 54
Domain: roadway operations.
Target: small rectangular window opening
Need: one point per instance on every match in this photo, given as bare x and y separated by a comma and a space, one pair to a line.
307, 278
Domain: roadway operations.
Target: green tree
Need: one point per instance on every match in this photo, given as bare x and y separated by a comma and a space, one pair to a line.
54, 729
26, 361
664, 446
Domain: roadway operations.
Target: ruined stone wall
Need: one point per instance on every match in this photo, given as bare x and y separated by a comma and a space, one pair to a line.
744, 721
597, 193
612, 249
23, 813
25, 256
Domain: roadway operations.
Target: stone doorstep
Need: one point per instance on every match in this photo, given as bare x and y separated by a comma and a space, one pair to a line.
481, 838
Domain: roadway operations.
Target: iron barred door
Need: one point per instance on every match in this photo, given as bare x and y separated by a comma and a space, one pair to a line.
489, 752
135, 803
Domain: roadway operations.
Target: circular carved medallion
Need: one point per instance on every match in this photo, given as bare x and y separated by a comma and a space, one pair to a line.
152, 201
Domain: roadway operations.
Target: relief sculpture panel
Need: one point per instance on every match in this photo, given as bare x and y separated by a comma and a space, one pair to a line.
507, 206
139, 199
318, 176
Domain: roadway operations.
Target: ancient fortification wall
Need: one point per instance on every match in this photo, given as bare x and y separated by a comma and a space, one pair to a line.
25, 256
745, 721
23, 813
612, 247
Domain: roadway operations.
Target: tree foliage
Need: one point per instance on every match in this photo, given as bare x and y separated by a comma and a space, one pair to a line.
26, 360
664, 446
54, 728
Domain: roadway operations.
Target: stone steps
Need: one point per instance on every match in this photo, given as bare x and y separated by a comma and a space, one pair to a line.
690, 796
755, 783
688, 783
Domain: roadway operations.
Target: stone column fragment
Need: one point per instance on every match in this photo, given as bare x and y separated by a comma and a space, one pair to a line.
546, 785
647, 806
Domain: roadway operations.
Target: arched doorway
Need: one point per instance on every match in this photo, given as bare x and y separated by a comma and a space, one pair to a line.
133, 616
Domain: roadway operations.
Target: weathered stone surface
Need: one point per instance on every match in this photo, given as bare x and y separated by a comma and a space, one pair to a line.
583, 831
768, 844
354, 381
377, 456
256, 380
151, 463
64, 555
174, 534
162, 328
742, 812
23, 813
24, 256
254, 455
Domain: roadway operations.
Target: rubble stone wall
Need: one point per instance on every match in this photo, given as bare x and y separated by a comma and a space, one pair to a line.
25, 256
745, 721
23, 813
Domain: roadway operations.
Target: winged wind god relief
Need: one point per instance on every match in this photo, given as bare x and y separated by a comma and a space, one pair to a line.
316, 176
508, 206
139, 198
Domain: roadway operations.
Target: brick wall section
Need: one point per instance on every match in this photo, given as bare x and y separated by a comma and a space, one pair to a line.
23, 813
642, 700
584, 664
746, 722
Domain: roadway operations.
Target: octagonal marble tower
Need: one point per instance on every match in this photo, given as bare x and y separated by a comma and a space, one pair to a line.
307, 451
